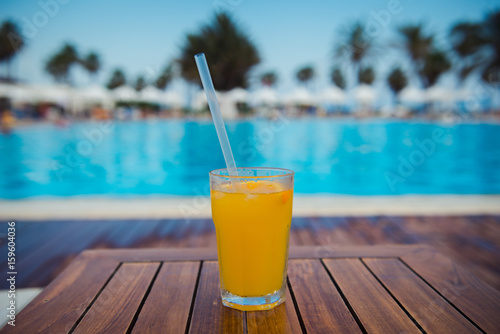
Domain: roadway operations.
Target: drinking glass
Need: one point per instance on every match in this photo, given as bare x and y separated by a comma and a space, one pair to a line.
252, 213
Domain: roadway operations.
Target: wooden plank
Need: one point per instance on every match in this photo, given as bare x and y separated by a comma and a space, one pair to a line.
43, 254
451, 235
116, 306
334, 251
301, 234
61, 304
374, 306
41, 266
209, 313
467, 240
169, 301
429, 309
299, 252
281, 319
479, 301
332, 231
320, 304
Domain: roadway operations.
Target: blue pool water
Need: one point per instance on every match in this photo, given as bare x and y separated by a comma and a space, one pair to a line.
173, 157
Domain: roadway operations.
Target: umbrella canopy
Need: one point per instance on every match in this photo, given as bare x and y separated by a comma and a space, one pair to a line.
151, 94
439, 94
300, 96
17, 93
172, 98
61, 95
124, 93
200, 99
237, 95
464, 95
365, 94
6, 89
332, 95
265, 96
95, 94
412, 95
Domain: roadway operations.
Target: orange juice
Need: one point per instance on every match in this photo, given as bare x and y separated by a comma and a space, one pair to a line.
253, 227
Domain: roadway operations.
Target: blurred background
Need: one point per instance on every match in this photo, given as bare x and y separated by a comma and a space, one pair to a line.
105, 99
388, 111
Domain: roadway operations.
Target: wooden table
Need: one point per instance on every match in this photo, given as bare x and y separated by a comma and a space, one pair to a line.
373, 289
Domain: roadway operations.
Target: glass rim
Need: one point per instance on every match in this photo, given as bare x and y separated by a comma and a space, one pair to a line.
287, 173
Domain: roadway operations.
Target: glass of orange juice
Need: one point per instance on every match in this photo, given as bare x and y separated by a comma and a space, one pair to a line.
252, 213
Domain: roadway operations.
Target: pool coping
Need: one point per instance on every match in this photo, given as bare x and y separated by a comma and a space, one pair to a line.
199, 207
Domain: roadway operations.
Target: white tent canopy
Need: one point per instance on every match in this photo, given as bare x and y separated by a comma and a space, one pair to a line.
125, 93
464, 95
200, 99
151, 94
95, 95
5, 89
332, 95
58, 94
91, 96
264, 96
364, 94
412, 95
237, 95
173, 99
17, 93
300, 96
439, 94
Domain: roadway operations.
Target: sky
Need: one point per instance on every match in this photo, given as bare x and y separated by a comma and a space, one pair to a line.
143, 36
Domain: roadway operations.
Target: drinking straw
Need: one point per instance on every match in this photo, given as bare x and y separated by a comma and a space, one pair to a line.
213, 105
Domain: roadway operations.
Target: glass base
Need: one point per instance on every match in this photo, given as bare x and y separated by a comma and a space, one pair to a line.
265, 302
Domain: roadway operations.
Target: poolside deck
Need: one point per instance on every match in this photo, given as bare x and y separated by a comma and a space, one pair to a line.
45, 248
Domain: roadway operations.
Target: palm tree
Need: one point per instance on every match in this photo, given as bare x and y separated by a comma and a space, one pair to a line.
229, 51
91, 63
478, 47
366, 75
117, 79
491, 31
59, 65
417, 44
338, 78
467, 40
435, 64
11, 42
140, 84
165, 77
356, 48
397, 81
268, 79
305, 74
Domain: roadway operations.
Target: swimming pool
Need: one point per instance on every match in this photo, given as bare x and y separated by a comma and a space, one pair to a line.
173, 157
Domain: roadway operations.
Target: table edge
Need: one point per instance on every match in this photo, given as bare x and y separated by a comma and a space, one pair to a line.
210, 254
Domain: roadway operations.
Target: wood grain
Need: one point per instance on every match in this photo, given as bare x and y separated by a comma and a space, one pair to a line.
335, 251
209, 315
204, 254
60, 305
116, 306
374, 306
479, 301
167, 307
320, 304
47, 247
280, 320
429, 309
